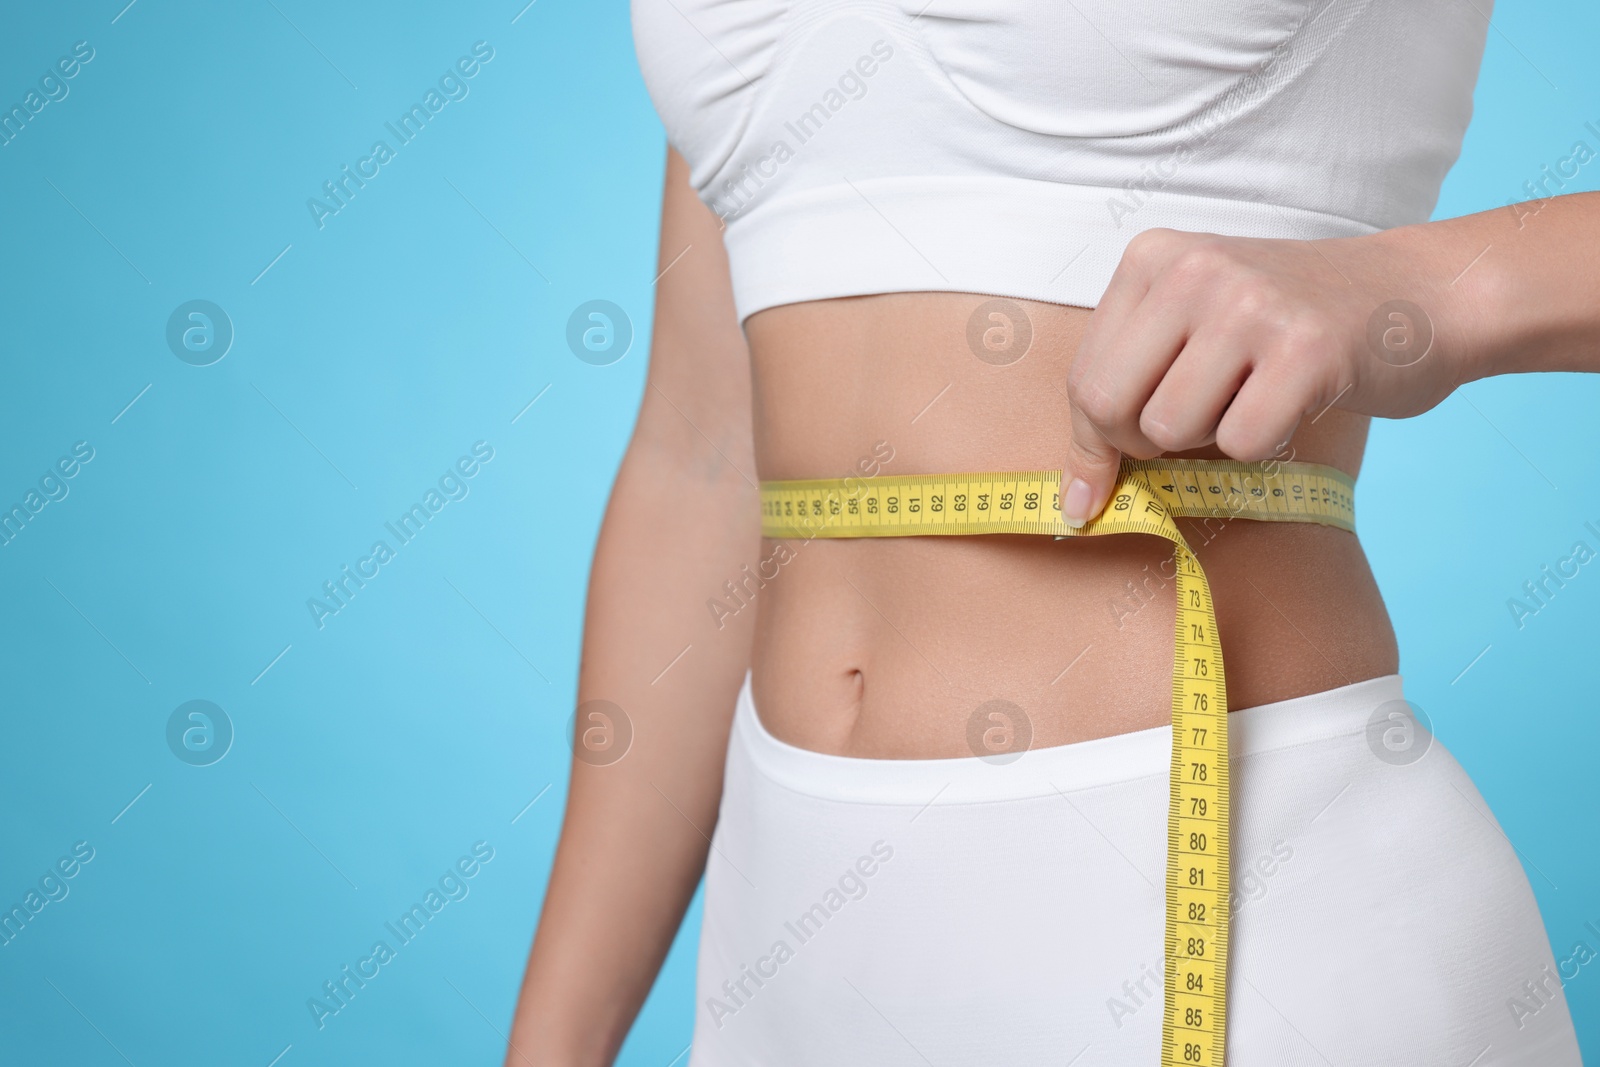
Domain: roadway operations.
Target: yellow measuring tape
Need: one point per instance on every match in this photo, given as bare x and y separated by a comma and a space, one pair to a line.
1149, 495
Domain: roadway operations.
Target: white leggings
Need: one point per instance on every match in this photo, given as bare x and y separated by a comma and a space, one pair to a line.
956, 911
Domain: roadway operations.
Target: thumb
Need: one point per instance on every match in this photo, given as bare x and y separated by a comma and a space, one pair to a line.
1090, 472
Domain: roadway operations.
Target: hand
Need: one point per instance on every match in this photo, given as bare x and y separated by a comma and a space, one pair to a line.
1202, 339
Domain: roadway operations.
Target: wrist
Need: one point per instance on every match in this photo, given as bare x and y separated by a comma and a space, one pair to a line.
1482, 308
1463, 293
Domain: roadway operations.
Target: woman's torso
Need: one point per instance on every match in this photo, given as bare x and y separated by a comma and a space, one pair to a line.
884, 648
886, 146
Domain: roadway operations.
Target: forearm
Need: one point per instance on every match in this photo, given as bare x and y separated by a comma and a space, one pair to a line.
1513, 289
634, 840
684, 517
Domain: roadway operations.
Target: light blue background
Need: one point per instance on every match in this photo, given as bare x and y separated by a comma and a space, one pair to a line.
426, 715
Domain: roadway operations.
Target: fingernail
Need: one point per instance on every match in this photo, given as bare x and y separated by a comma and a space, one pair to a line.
1075, 506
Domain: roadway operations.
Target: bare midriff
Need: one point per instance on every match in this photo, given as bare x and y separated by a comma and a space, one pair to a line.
884, 647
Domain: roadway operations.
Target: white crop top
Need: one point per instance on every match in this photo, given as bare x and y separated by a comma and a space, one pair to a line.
1013, 147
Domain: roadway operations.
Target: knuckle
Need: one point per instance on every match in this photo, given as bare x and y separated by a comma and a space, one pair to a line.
1307, 336
1148, 247
1253, 297
1202, 263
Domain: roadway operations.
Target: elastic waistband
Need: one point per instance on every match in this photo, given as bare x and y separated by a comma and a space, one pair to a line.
1333, 713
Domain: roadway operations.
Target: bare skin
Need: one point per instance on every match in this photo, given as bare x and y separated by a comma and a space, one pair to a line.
882, 648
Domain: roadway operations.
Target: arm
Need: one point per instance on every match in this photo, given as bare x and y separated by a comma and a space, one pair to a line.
1202, 339
684, 515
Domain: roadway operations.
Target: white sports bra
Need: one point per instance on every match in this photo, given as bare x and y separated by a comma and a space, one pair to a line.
1013, 147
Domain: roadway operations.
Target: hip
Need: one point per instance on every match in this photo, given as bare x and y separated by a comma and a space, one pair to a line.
968, 910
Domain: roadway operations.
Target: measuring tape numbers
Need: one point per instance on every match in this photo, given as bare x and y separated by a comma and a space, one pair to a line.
1149, 496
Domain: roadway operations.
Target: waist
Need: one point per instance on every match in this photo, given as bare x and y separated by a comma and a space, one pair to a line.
1344, 712
885, 648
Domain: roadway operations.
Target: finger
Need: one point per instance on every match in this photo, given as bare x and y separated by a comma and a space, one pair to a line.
1141, 262
1090, 472
1114, 391
1188, 404
1129, 282
1266, 411
1145, 257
